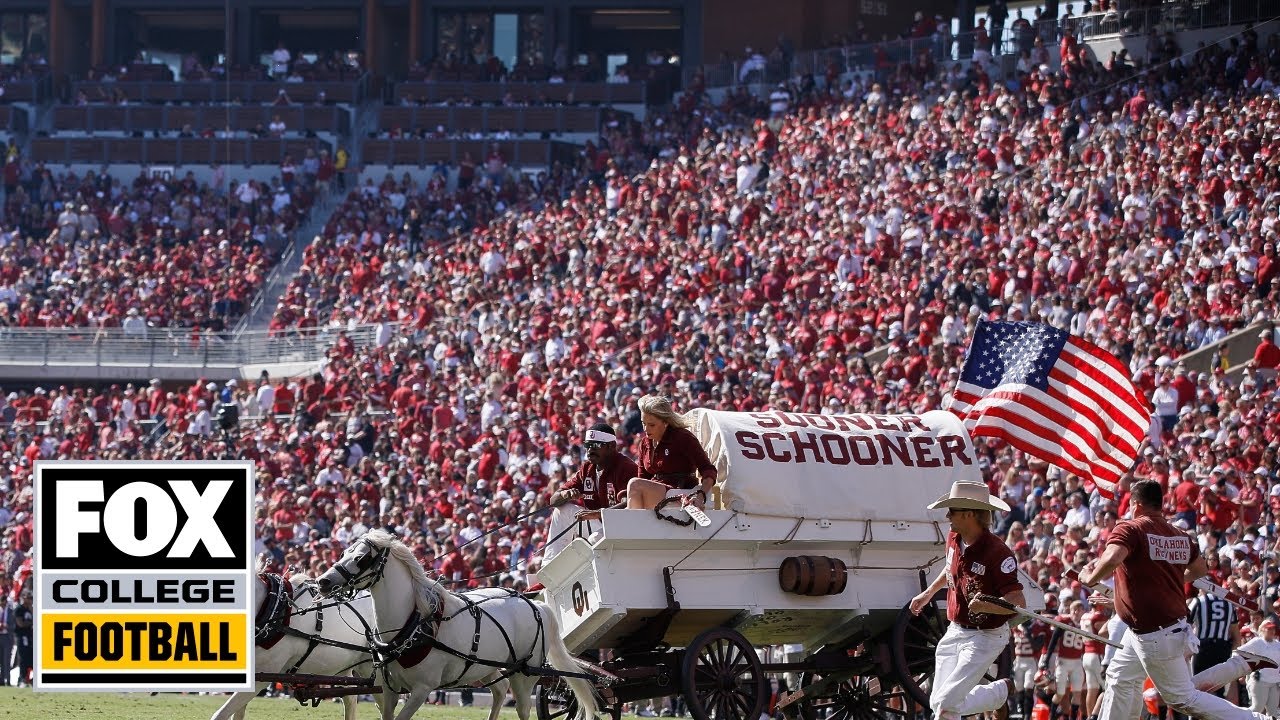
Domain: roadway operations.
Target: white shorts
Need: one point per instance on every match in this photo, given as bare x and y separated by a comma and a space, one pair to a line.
1024, 673
1092, 671
1069, 675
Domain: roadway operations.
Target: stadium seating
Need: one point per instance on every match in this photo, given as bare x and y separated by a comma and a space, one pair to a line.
169, 151
494, 119
834, 259
211, 92
424, 153
534, 93
173, 118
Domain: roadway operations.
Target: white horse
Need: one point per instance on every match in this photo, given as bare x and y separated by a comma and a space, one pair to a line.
492, 626
340, 624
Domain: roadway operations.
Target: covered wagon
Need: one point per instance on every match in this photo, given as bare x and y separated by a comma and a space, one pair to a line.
819, 538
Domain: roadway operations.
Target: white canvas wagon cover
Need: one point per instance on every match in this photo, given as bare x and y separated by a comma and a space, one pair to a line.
836, 467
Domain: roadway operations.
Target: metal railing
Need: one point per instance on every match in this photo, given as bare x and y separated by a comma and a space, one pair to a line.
550, 119
1173, 16
425, 153
99, 117
171, 151
29, 90
438, 91
222, 91
274, 279
1169, 16
852, 58
172, 347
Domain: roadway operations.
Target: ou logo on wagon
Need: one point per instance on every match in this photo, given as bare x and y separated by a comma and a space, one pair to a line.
581, 603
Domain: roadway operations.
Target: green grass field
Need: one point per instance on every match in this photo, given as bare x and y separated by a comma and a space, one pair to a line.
22, 703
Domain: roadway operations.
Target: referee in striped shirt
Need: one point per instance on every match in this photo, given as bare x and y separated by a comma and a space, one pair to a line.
1216, 624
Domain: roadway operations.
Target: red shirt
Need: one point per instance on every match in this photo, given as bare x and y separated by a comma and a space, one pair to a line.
1095, 621
1186, 496
599, 485
1070, 645
455, 568
985, 567
1251, 513
674, 458
1031, 639
1267, 355
284, 519
1149, 592
1221, 510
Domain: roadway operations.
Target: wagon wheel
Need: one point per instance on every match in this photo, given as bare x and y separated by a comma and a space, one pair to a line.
915, 641
557, 702
861, 697
722, 677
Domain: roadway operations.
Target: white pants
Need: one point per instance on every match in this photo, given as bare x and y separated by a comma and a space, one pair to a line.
1070, 675
1116, 628
561, 531
962, 658
1092, 671
1264, 697
1162, 656
1229, 670
1024, 673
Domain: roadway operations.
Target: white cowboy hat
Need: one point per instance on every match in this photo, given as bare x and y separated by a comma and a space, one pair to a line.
966, 495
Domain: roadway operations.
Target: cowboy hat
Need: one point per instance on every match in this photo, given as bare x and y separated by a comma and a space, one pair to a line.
966, 495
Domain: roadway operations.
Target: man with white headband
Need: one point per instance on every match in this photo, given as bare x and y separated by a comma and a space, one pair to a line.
595, 486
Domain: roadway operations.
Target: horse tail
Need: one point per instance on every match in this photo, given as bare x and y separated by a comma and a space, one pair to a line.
559, 657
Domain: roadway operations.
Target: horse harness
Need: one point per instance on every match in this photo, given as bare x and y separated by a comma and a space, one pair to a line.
274, 614
280, 606
418, 637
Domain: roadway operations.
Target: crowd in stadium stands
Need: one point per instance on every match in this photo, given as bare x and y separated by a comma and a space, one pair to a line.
144, 252
730, 262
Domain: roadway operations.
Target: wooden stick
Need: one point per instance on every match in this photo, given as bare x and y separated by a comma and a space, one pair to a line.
1046, 619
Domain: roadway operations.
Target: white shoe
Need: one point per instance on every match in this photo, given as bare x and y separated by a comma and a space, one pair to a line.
1258, 650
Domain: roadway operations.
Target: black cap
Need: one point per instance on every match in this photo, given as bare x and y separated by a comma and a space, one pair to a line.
604, 428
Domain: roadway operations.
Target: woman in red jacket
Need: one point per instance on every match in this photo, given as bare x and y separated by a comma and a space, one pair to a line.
670, 458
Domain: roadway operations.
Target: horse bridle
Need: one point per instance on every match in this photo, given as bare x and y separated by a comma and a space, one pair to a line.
369, 570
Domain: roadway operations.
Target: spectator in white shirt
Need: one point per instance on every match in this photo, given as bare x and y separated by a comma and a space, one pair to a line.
280, 62
472, 530
128, 409
202, 423
248, 193
755, 62
281, 200
1165, 400
1079, 514
345, 533
134, 325
330, 474
266, 396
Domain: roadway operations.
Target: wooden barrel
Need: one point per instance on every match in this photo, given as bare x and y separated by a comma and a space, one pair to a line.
813, 575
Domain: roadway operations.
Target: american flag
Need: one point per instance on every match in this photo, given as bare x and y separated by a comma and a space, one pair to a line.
1053, 396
